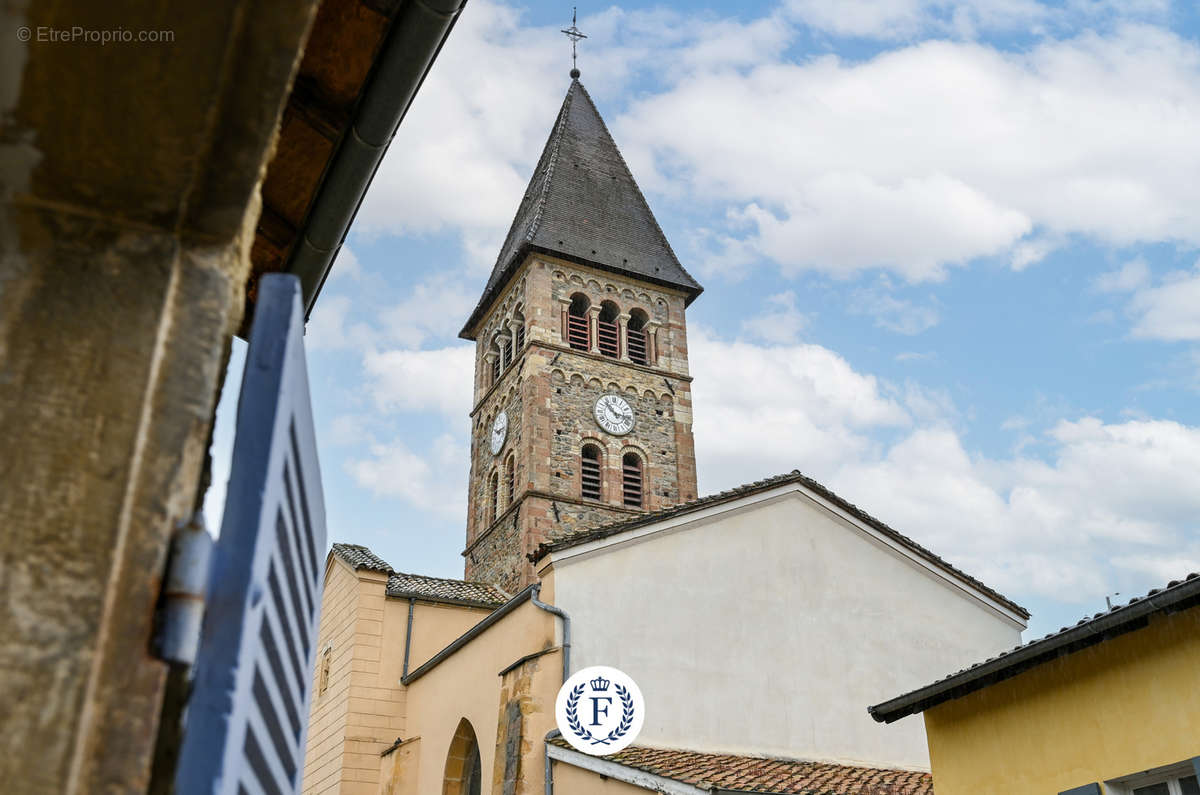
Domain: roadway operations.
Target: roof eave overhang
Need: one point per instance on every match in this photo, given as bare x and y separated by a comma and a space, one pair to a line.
1129, 618
442, 600
413, 44
470, 330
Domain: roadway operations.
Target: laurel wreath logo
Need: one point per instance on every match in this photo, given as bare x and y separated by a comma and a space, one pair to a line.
582, 732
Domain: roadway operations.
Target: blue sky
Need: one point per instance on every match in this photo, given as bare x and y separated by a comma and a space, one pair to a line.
950, 251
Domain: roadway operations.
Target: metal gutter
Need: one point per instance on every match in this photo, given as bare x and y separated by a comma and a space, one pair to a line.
1128, 618
413, 43
566, 624
470, 634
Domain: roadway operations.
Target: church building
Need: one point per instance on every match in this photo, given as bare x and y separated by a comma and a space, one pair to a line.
759, 622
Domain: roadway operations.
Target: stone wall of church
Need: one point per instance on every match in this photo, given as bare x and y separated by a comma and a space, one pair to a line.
548, 391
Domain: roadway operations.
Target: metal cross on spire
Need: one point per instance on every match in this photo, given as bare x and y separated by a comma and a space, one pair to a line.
574, 34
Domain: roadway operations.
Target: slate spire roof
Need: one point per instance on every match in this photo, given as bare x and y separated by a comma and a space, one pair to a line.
583, 204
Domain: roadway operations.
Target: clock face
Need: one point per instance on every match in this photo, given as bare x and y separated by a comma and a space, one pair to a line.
614, 414
499, 431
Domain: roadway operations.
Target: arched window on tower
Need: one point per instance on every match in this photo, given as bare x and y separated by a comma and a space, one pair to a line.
510, 480
635, 337
496, 363
494, 494
589, 472
631, 480
608, 338
579, 334
506, 348
519, 331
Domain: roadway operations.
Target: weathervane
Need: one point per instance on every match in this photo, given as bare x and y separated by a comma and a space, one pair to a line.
574, 35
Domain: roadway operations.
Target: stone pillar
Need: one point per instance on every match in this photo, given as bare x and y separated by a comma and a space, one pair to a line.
564, 305
622, 338
130, 200
513, 325
651, 329
489, 368
594, 327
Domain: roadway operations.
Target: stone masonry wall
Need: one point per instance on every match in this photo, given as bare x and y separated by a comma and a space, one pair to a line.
549, 391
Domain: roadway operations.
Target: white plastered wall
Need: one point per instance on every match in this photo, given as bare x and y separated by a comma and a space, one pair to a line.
768, 626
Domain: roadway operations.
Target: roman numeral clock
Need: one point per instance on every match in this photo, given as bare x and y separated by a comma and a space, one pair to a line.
614, 414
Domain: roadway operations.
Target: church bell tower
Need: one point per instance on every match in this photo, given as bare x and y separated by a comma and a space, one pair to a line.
582, 413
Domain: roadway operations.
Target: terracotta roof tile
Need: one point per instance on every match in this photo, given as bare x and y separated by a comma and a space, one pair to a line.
360, 557
795, 476
419, 585
763, 775
439, 589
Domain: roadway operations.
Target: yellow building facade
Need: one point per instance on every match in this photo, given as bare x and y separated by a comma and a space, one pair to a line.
407, 688
1110, 706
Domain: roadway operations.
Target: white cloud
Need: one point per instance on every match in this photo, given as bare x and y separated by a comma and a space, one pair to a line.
904, 19
1109, 505
780, 322
345, 267
422, 381
930, 155
433, 480
334, 328
919, 159
1032, 251
1127, 278
916, 227
894, 314
435, 308
762, 410
915, 356
1170, 311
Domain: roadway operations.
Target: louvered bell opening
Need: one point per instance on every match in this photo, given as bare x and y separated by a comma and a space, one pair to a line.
507, 352
510, 483
520, 337
635, 341
577, 333
589, 473
631, 481
608, 338
495, 369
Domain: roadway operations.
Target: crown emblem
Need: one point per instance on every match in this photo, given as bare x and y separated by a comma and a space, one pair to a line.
599, 683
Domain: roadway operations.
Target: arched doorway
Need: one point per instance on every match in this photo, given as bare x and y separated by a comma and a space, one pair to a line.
464, 771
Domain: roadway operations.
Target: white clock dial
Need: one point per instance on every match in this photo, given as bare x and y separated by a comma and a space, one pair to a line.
499, 432
614, 414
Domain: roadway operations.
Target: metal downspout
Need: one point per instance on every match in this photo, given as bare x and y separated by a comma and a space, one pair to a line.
550, 770
408, 637
566, 672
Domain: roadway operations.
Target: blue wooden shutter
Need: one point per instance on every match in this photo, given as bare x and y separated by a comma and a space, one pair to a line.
1086, 789
246, 720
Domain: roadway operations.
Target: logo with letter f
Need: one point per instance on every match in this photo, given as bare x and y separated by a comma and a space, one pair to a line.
600, 710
